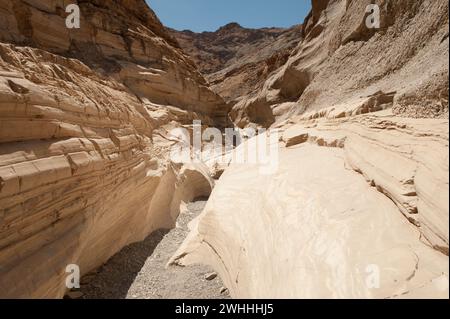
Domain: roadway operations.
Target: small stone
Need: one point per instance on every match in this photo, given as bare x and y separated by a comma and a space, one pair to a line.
210, 276
223, 290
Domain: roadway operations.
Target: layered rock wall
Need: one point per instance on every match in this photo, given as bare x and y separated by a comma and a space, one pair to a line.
82, 171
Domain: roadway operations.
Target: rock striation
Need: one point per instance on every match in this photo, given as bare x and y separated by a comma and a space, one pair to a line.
84, 165
358, 206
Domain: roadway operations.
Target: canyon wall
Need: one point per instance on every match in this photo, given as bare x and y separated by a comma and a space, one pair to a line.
358, 206
341, 60
84, 164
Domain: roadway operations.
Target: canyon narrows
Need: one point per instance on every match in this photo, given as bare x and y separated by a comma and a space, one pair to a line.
353, 203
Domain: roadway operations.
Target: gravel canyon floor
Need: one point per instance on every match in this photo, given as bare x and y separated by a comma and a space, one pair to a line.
141, 271
351, 202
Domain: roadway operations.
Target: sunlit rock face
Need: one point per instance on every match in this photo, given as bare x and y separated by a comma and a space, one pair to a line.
84, 169
359, 205
341, 59
358, 208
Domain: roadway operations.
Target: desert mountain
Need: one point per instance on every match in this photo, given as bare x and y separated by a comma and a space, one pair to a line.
237, 60
404, 63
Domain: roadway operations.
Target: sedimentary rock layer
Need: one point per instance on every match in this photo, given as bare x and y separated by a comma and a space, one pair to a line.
357, 205
83, 168
123, 39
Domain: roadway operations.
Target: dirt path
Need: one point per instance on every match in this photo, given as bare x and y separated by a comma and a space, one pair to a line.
139, 270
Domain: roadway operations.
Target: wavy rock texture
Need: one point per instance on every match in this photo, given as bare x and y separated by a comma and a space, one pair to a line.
350, 195
84, 170
124, 40
362, 182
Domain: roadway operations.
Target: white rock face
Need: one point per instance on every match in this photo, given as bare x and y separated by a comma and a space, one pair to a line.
351, 219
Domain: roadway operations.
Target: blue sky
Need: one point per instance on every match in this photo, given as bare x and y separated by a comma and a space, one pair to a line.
209, 15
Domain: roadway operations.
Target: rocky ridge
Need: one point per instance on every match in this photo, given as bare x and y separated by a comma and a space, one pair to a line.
340, 60
237, 60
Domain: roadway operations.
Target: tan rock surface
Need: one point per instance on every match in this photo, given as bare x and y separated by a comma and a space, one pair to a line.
81, 172
362, 180
351, 196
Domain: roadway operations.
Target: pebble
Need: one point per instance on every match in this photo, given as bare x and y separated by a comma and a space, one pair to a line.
211, 276
223, 290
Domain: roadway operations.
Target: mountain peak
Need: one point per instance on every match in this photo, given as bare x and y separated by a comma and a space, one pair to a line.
230, 26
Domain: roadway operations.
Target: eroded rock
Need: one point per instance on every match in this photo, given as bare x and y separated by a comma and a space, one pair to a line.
81, 174
330, 217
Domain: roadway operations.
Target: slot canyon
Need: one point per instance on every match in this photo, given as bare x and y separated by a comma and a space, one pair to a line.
357, 122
